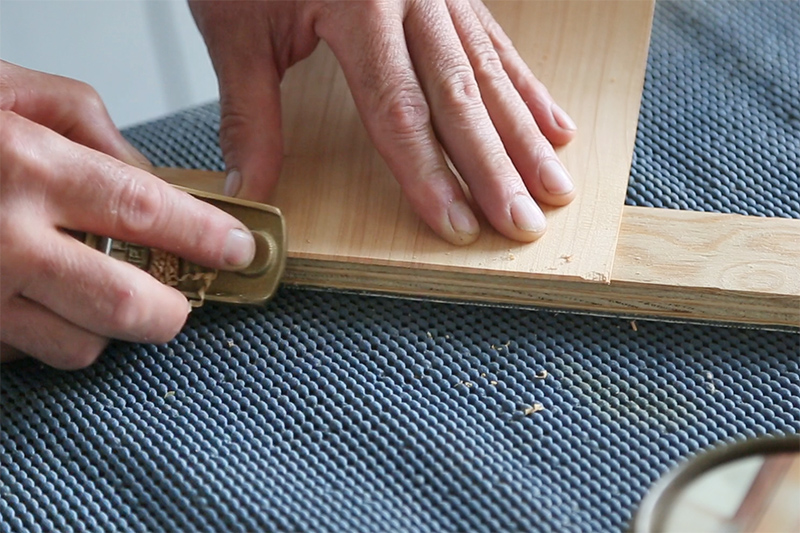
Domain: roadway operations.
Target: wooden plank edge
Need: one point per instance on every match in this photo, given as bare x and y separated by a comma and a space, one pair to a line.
659, 285
621, 298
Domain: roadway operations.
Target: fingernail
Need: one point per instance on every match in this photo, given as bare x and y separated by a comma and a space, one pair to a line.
563, 120
240, 248
138, 158
527, 216
555, 178
463, 221
233, 182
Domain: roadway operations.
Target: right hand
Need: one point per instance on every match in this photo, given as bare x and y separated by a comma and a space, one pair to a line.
435, 82
65, 167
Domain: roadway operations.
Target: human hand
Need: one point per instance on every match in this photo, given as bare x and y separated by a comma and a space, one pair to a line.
64, 167
431, 79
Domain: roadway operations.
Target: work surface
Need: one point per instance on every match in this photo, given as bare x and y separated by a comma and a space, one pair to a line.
334, 411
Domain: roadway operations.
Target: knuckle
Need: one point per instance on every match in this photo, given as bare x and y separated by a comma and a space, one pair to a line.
459, 88
15, 141
139, 315
136, 208
504, 175
46, 263
232, 116
126, 313
89, 98
233, 125
404, 111
487, 66
8, 92
540, 148
7, 120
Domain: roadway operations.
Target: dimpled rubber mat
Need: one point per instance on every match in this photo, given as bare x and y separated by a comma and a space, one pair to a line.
332, 411
719, 128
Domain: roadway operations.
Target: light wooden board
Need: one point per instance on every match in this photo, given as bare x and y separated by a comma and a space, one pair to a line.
343, 205
703, 267
350, 228
673, 264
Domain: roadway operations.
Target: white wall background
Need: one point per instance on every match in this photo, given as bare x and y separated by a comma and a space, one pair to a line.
145, 57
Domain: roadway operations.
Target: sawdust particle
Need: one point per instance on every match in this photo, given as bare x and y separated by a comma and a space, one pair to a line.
567, 258
535, 408
710, 384
634, 327
541, 374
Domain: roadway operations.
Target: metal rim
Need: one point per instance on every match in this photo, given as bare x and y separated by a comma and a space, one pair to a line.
653, 511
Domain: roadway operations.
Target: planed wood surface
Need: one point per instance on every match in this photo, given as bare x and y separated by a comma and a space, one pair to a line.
680, 265
343, 205
723, 252
700, 267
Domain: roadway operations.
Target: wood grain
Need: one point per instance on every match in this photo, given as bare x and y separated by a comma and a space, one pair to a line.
698, 267
343, 205
350, 228
681, 265
723, 252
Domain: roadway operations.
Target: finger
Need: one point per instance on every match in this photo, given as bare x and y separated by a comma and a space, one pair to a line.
250, 128
8, 353
89, 191
532, 154
395, 112
102, 295
464, 127
66, 106
35, 330
554, 122
249, 78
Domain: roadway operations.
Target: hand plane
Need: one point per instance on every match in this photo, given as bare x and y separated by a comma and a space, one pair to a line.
253, 285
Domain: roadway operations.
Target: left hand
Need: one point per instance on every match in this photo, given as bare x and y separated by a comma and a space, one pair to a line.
431, 79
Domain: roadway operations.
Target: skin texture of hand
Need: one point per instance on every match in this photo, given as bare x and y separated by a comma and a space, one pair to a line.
64, 167
432, 80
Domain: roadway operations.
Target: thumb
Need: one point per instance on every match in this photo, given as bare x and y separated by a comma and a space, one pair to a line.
250, 126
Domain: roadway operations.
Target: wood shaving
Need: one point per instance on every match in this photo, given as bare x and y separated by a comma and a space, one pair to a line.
535, 408
166, 268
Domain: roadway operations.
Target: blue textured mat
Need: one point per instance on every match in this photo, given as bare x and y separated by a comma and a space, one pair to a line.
330, 411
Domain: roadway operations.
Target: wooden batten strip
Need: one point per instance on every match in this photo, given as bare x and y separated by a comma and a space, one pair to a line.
683, 265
